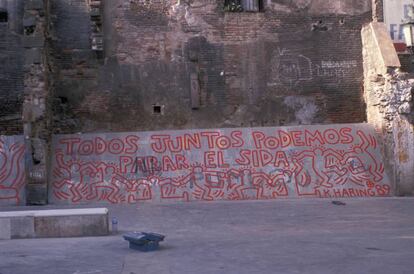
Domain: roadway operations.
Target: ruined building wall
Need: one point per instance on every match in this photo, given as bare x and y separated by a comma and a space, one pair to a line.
23, 99
390, 107
190, 64
389, 97
11, 66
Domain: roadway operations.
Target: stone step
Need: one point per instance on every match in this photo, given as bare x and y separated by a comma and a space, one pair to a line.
54, 223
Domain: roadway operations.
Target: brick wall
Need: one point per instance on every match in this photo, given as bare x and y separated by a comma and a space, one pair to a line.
296, 62
11, 69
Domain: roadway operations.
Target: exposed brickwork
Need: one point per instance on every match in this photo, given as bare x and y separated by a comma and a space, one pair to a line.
249, 65
11, 69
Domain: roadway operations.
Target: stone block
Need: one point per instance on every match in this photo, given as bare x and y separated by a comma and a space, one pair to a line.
71, 226
54, 223
22, 227
379, 47
5, 229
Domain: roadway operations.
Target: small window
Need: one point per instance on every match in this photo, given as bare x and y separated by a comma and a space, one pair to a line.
251, 5
157, 109
243, 5
4, 16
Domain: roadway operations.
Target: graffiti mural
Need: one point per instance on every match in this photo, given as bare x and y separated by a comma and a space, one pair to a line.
289, 69
12, 174
222, 164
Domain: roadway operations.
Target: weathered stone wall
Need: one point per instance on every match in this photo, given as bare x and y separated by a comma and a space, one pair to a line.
390, 110
190, 64
36, 107
102, 66
11, 67
334, 161
24, 90
389, 98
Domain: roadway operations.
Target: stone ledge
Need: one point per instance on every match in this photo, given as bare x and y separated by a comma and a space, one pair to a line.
54, 212
54, 223
379, 48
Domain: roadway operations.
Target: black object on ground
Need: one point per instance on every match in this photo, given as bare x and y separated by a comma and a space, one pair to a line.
338, 203
143, 241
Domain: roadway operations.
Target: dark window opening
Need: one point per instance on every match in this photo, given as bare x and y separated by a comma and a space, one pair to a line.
4, 16
243, 5
63, 100
29, 30
156, 109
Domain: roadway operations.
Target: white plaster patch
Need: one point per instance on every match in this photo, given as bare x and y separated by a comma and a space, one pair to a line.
304, 107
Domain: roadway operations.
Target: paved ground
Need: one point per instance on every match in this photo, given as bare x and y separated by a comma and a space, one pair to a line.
286, 236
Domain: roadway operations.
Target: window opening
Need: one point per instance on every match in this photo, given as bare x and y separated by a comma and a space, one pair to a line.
4, 16
243, 5
157, 109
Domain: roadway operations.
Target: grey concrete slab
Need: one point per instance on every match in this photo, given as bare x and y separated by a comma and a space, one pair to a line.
71, 226
284, 236
21, 212
22, 227
5, 229
57, 222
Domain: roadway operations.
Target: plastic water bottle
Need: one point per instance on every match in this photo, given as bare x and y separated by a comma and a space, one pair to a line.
114, 225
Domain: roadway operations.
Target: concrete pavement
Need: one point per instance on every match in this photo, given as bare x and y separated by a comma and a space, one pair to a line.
283, 236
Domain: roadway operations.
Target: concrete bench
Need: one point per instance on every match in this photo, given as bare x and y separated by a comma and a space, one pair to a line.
54, 223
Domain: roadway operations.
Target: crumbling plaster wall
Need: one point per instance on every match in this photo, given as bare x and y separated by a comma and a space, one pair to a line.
389, 98
296, 62
389, 108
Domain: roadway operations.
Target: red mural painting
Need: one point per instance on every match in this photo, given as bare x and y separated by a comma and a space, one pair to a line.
101, 181
210, 165
355, 166
11, 170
